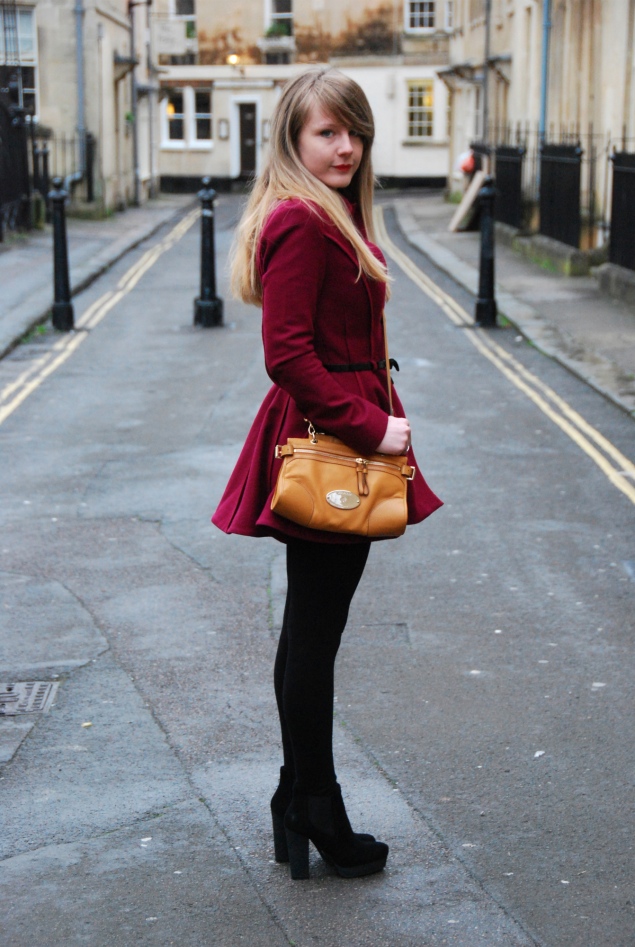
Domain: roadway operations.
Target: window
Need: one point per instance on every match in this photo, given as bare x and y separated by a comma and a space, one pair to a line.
174, 109
421, 108
17, 31
184, 8
420, 15
18, 56
449, 14
203, 115
26, 35
187, 120
281, 18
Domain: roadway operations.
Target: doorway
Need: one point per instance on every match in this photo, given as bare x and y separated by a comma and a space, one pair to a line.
247, 125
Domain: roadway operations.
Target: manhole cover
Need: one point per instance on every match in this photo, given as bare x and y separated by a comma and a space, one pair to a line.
27, 697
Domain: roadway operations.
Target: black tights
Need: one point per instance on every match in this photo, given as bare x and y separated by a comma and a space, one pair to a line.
322, 578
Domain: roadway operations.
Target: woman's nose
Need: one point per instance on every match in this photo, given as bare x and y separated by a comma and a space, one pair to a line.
345, 144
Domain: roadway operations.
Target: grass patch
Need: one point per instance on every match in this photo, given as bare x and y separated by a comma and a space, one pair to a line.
35, 333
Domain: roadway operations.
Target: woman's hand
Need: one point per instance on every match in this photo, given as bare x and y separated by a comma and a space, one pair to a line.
397, 437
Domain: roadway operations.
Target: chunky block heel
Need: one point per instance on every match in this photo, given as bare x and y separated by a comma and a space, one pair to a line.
280, 847
280, 802
323, 820
298, 847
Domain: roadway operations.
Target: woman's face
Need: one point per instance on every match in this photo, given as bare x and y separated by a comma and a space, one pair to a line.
329, 150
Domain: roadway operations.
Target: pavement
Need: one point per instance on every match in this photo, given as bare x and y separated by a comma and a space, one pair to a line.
483, 721
568, 318
26, 260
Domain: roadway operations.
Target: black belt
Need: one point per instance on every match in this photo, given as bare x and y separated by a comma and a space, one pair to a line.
363, 366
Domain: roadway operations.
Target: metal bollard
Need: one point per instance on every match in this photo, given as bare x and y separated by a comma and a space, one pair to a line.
62, 311
208, 308
485, 314
44, 178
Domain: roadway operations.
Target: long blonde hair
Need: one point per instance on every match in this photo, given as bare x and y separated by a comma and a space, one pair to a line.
285, 177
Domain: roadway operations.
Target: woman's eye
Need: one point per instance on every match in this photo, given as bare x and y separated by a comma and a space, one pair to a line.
326, 133
353, 133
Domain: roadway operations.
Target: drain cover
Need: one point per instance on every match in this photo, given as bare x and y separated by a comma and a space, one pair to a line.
26, 697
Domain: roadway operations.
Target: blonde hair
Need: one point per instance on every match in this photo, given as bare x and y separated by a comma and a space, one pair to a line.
285, 177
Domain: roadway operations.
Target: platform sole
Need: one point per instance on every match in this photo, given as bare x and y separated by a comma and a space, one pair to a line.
354, 871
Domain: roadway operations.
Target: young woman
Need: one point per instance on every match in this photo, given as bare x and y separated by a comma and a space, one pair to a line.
305, 253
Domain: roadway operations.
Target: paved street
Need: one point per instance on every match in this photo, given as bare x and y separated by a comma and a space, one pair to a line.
26, 260
484, 691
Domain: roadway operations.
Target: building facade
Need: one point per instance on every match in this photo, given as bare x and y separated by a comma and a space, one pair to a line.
85, 67
584, 51
226, 65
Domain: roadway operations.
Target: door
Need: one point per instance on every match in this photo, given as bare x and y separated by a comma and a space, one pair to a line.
247, 139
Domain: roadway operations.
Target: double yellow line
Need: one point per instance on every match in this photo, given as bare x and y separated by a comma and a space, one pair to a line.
13, 394
619, 470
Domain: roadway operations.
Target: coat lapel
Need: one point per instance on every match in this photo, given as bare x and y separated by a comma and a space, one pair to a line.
337, 237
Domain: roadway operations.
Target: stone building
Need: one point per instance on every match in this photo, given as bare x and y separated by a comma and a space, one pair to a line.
74, 60
589, 96
226, 63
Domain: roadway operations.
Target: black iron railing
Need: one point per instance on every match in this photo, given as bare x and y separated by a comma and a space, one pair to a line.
560, 177
558, 184
622, 244
30, 157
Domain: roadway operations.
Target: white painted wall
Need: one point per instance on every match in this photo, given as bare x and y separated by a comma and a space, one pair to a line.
385, 86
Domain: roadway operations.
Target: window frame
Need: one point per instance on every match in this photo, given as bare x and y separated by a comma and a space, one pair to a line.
194, 142
24, 12
189, 116
179, 142
409, 11
423, 84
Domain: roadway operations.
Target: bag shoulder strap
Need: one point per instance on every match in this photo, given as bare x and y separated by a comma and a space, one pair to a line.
388, 376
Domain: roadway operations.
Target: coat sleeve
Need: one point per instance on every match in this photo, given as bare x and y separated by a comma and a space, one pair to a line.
293, 268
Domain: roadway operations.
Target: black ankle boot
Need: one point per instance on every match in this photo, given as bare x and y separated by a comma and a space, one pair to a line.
323, 821
280, 802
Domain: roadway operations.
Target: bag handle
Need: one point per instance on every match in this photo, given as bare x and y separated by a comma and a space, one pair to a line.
388, 375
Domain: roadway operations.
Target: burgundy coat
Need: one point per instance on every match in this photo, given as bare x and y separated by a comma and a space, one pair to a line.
315, 312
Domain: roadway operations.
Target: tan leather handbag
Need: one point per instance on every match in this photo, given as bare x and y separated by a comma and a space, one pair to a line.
323, 484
